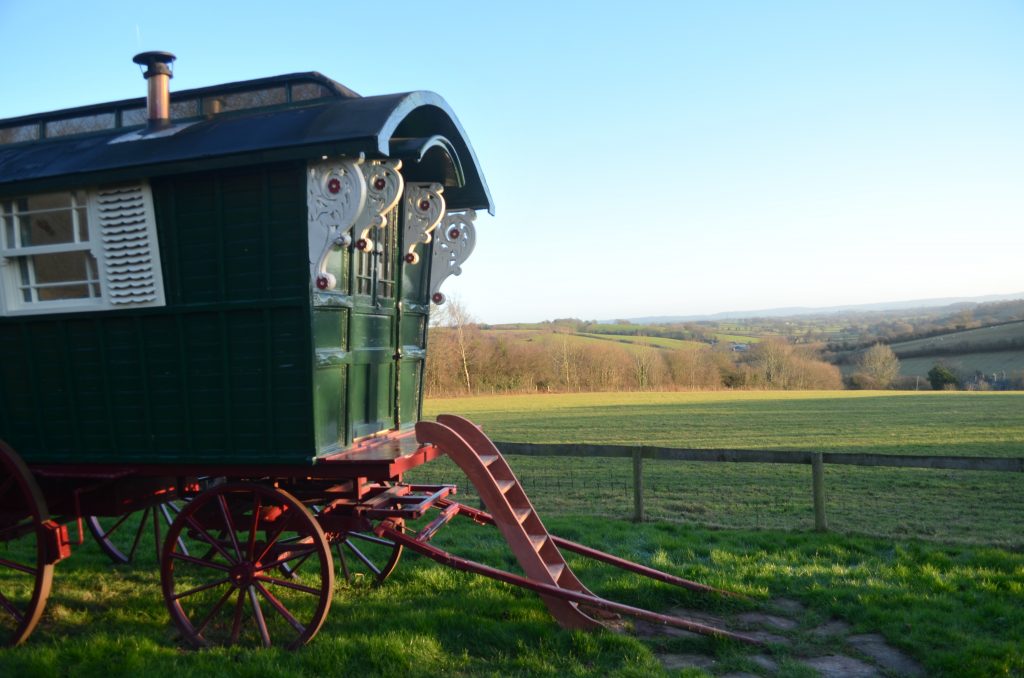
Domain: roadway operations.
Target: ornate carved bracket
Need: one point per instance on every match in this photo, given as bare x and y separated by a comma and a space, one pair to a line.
424, 207
453, 244
384, 186
336, 193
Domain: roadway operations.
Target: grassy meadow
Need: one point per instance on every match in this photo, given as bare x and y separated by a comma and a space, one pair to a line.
969, 339
631, 343
886, 422
948, 506
957, 610
986, 362
932, 560
993, 350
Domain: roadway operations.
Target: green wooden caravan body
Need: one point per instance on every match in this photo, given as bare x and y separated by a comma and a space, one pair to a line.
296, 235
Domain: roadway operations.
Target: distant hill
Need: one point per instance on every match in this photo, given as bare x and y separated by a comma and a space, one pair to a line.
791, 311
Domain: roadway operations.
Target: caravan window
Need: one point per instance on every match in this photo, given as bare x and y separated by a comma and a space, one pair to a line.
79, 251
46, 241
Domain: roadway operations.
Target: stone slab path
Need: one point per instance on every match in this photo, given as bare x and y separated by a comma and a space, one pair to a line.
795, 645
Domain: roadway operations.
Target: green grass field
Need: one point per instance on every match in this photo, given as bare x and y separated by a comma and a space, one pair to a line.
888, 422
986, 350
958, 610
967, 364
956, 607
945, 506
629, 343
980, 337
737, 338
656, 342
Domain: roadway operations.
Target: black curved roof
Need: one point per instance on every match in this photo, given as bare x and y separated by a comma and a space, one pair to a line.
418, 127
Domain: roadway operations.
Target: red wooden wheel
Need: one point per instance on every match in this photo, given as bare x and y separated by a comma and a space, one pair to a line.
364, 556
234, 593
120, 537
26, 566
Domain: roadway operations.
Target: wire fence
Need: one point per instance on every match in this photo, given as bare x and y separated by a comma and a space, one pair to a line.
955, 499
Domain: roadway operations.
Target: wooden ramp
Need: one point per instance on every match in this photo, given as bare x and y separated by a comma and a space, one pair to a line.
538, 552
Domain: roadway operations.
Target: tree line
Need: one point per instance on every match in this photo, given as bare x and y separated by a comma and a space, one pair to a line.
463, 359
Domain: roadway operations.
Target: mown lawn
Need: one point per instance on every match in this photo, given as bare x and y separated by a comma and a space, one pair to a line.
958, 610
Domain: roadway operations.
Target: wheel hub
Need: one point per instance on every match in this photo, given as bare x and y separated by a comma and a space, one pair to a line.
242, 574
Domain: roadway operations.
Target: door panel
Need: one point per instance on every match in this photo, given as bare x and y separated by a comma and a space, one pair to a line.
371, 359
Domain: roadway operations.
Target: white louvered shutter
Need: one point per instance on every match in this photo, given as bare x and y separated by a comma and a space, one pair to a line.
131, 256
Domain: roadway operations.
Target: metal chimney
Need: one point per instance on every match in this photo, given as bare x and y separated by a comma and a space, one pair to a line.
158, 75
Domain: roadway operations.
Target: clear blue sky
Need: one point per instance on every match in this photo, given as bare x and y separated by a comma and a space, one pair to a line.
646, 158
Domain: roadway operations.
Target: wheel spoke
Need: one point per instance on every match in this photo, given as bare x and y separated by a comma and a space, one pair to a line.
257, 612
16, 530
208, 538
182, 546
281, 609
372, 539
222, 502
213, 611
344, 562
138, 534
288, 585
199, 561
27, 571
230, 602
18, 566
168, 518
204, 587
281, 561
18, 615
361, 556
236, 625
293, 569
156, 531
254, 526
271, 542
113, 528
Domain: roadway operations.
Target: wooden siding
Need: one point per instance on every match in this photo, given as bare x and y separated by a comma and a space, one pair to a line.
222, 374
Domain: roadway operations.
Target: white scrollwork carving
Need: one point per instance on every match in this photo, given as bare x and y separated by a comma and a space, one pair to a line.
335, 196
384, 187
424, 207
453, 243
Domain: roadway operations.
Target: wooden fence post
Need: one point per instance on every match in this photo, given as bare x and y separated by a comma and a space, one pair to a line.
638, 485
818, 481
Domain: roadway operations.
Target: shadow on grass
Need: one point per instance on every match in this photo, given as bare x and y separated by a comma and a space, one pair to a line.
957, 610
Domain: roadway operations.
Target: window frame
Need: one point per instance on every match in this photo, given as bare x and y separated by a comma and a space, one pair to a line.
16, 258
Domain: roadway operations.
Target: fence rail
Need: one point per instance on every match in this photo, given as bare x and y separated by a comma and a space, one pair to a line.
816, 460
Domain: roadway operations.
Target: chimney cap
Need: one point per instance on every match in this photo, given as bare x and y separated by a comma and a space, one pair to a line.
156, 63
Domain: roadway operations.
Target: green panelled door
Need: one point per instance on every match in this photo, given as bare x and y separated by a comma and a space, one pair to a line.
370, 349
372, 345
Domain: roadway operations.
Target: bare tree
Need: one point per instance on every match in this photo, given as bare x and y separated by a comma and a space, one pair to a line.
880, 365
455, 316
772, 358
